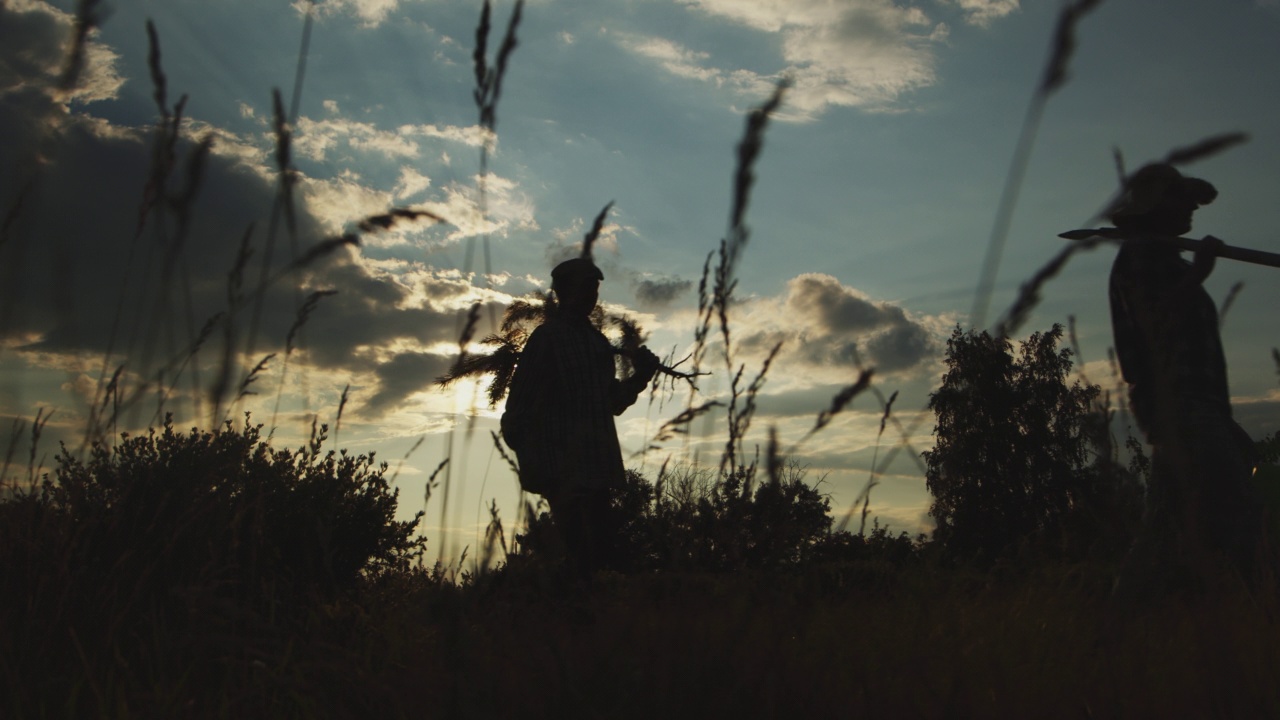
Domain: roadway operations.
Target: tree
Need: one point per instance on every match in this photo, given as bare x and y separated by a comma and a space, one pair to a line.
1012, 461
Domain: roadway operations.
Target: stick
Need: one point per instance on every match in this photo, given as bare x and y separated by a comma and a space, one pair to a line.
1257, 257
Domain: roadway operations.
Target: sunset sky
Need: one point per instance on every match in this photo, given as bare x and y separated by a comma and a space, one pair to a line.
877, 191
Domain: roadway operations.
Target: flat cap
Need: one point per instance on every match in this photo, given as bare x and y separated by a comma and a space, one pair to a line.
574, 271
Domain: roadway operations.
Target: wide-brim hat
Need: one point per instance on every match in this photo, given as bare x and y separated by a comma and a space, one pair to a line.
1146, 189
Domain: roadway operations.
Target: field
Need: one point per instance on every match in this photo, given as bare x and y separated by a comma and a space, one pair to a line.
154, 569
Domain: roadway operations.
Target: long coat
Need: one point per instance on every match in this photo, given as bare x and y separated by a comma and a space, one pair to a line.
559, 415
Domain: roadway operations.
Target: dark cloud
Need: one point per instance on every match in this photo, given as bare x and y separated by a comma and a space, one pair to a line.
661, 292
838, 308
833, 325
403, 375
76, 279
31, 45
900, 348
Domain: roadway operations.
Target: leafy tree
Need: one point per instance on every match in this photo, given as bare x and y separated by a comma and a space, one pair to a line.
1012, 461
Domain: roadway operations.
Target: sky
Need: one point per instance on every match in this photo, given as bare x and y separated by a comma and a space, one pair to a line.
876, 194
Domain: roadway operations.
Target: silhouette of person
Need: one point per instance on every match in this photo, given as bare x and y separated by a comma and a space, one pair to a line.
559, 416
1200, 498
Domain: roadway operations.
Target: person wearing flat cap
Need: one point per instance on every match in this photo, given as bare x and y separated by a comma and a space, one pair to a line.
1200, 498
559, 415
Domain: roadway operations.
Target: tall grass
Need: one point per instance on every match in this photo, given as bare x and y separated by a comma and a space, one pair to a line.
241, 584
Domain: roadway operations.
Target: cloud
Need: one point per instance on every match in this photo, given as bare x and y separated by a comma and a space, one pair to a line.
371, 13
315, 139
857, 53
34, 39
76, 279
655, 293
411, 183
691, 65
1259, 416
402, 376
862, 53
831, 329
566, 243
983, 12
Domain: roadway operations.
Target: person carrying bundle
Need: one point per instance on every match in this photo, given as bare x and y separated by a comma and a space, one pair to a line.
559, 415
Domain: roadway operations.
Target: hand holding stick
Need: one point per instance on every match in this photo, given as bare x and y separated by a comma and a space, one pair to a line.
1257, 257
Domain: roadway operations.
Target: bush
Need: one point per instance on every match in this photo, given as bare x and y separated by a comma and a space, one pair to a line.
691, 522
169, 543
225, 509
174, 559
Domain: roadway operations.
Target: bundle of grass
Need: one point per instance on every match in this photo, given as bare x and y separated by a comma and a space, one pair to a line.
519, 322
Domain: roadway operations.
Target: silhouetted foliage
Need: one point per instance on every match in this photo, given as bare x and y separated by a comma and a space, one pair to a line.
691, 521
1012, 464
221, 511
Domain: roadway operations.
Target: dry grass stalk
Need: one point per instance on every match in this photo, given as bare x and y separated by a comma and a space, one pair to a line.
1064, 45
1199, 150
740, 420
841, 400
487, 92
304, 51
502, 452
1029, 295
1118, 157
342, 405
252, 377
1229, 300
16, 430
592, 235
1206, 148
175, 370
1055, 75
304, 313
773, 459
385, 221
731, 247
432, 483
873, 480
501, 364
284, 161
409, 453
679, 425
319, 250
489, 79
13, 213
37, 427
307, 307
494, 537
159, 83
87, 20
1074, 343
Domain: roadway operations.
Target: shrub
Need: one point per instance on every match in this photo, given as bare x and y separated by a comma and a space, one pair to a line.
692, 522
214, 515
